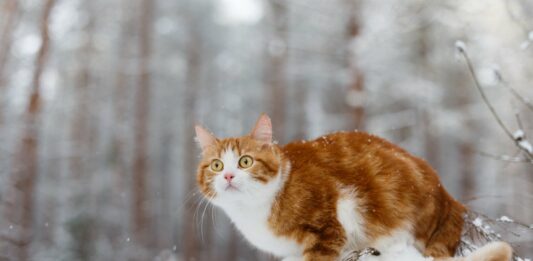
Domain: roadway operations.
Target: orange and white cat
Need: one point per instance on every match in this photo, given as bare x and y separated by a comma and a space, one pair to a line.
320, 199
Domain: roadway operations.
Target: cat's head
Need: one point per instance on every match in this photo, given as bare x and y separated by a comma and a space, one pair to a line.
244, 169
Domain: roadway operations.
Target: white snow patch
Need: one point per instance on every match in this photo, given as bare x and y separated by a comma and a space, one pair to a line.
478, 222
525, 145
460, 46
505, 219
520, 137
519, 134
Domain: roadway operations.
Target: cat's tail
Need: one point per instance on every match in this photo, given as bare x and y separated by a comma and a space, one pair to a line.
495, 251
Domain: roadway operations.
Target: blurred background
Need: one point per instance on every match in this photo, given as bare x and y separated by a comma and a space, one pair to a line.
98, 100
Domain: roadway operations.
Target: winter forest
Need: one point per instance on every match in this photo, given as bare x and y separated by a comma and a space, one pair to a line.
98, 101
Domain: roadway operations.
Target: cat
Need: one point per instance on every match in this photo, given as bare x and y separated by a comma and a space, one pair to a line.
318, 200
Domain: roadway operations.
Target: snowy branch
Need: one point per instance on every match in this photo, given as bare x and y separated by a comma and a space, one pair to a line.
518, 137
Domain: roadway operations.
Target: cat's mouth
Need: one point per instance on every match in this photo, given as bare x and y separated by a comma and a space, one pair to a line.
231, 187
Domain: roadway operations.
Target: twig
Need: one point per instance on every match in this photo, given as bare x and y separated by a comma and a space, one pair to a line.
357, 255
514, 92
462, 50
521, 98
519, 122
515, 19
506, 158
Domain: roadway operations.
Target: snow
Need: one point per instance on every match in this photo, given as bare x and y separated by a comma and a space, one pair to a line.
505, 219
519, 134
460, 46
29, 44
525, 145
397, 253
519, 137
239, 12
478, 222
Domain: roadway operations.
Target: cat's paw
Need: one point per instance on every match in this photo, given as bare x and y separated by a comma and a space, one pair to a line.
293, 258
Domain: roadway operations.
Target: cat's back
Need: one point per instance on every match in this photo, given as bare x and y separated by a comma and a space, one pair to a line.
346, 149
357, 158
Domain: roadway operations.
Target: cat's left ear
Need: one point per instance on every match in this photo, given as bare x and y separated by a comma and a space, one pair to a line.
263, 129
204, 137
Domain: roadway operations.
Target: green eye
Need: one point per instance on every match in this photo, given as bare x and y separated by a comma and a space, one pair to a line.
217, 165
246, 162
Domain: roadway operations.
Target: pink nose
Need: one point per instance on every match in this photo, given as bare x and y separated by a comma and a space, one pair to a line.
229, 176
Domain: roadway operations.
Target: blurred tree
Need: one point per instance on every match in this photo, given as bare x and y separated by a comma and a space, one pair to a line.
19, 206
193, 50
356, 90
82, 141
10, 12
141, 217
276, 64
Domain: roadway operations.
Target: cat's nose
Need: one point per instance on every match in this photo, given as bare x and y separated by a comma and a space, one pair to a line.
229, 176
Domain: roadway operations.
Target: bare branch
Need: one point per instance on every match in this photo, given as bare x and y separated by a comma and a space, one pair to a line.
517, 95
523, 26
517, 139
506, 158
513, 91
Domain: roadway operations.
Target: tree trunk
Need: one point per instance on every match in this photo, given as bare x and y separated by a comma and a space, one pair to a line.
119, 138
356, 85
140, 169
81, 131
19, 205
11, 12
191, 239
276, 66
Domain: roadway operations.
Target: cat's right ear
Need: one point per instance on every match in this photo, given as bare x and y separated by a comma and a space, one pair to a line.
263, 129
204, 137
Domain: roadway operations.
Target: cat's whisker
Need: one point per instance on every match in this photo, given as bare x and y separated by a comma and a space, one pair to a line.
192, 195
195, 216
202, 220
213, 216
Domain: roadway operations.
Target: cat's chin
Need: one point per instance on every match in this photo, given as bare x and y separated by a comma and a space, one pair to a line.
231, 188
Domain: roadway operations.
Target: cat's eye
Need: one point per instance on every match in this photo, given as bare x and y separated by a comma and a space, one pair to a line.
246, 162
217, 165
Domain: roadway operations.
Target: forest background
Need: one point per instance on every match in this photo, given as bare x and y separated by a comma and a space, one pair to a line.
98, 100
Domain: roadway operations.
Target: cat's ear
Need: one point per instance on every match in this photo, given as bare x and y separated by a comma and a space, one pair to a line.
263, 129
204, 137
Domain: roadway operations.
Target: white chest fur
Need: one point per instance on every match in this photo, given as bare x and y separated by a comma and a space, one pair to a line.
253, 224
